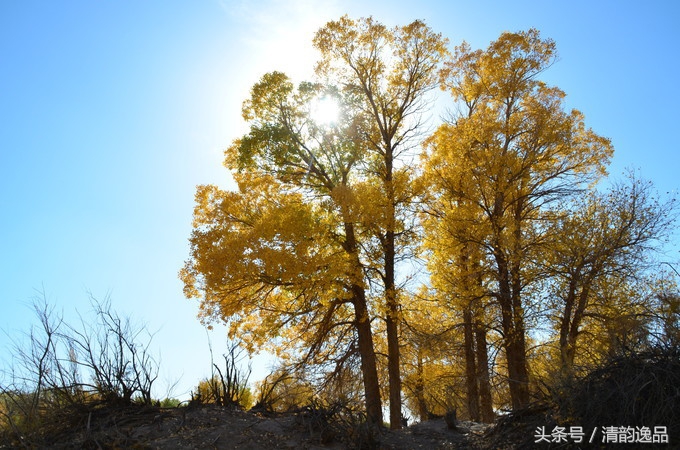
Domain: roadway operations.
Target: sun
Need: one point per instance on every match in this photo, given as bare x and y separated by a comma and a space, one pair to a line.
325, 111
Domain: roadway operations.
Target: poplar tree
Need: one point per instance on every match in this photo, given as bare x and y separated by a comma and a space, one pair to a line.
507, 155
322, 209
391, 71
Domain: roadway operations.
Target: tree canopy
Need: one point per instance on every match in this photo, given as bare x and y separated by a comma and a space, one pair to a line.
499, 205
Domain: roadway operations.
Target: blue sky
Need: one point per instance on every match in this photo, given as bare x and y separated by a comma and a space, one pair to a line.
112, 112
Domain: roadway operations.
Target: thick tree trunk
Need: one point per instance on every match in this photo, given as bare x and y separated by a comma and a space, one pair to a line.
517, 373
518, 378
567, 353
485, 399
369, 368
392, 326
572, 317
362, 323
423, 412
566, 348
471, 284
515, 352
512, 321
392, 318
470, 366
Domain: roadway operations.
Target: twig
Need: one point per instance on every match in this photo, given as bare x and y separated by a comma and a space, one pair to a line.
214, 441
89, 418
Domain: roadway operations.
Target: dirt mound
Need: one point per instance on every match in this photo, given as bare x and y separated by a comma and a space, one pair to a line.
208, 426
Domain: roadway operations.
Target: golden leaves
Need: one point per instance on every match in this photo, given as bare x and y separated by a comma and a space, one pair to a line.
306, 236
268, 97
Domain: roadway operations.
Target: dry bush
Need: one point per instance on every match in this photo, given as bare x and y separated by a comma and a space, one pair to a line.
281, 391
637, 389
60, 372
632, 390
227, 386
339, 421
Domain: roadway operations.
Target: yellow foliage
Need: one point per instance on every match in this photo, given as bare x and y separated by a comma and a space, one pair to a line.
261, 257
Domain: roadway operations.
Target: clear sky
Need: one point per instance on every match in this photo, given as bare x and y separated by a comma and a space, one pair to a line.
112, 112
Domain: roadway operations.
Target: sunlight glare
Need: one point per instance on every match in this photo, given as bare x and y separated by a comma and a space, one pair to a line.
325, 111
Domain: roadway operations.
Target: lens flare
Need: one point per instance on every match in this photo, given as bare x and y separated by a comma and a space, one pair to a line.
326, 111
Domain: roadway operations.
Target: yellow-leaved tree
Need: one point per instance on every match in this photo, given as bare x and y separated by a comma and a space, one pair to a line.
391, 72
506, 156
310, 244
600, 252
279, 259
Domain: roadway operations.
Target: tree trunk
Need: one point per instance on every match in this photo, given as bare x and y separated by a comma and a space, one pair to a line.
571, 323
423, 412
392, 318
471, 284
517, 371
485, 399
470, 366
369, 368
566, 350
512, 322
392, 325
515, 349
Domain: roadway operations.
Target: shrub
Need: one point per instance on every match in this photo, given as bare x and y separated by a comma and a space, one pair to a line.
60, 370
